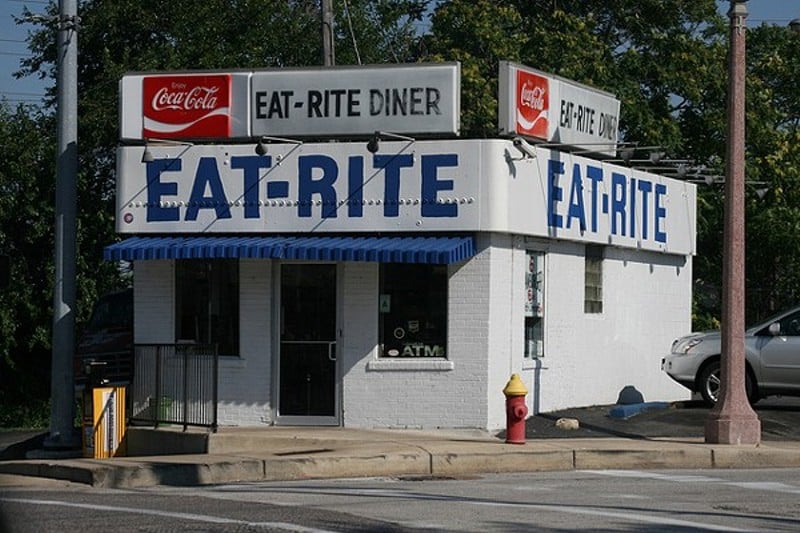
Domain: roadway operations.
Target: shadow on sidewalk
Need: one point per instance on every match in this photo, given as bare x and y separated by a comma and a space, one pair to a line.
14, 444
780, 420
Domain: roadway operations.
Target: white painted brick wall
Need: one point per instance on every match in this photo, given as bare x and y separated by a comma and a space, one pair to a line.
358, 345
245, 382
588, 358
395, 394
153, 302
506, 324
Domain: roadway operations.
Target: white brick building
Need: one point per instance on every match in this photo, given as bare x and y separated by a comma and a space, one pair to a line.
577, 276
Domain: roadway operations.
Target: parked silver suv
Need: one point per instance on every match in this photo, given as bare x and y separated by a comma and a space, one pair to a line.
772, 353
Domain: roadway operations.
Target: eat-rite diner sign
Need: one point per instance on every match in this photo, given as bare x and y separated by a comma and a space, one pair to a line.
347, 101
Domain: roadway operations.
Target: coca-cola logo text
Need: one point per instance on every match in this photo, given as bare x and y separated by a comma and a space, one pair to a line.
186, 106
176, 97
532, 96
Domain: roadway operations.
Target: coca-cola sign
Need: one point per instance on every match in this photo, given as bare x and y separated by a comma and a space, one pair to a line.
533, 97
546, 107
353, 101
186, 106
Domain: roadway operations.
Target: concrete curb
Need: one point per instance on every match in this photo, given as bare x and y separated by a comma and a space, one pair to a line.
435, 458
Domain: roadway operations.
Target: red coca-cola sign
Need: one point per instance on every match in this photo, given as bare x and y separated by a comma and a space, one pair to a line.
533, 103
186, 107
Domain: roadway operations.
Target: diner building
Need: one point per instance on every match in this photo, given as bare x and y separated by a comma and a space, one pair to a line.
356, 263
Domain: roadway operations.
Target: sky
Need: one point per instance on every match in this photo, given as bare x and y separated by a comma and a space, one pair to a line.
30, 90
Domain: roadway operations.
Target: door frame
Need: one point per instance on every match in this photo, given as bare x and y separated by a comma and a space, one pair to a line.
299, 420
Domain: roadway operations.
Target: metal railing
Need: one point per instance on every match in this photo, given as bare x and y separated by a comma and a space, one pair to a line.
175, 384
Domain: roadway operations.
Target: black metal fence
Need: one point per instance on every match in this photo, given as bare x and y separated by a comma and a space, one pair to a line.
174, 384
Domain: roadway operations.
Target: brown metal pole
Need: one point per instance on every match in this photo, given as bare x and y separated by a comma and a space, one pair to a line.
732, 420
328, 54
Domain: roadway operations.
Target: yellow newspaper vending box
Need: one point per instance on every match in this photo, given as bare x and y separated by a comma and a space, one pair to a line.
104, 422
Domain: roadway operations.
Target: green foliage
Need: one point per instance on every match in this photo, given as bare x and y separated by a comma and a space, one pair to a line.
478, 34
773, 150
32, 414
26, 221
382, 31
661, 58
117, 37
666, 60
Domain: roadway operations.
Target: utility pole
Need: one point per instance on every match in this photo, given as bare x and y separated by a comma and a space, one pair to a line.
62, 433
732, 420
328, 55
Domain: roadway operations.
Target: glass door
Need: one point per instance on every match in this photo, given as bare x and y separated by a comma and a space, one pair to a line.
307, 391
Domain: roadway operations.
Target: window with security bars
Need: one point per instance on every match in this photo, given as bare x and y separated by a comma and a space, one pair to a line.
534, 305
593, 280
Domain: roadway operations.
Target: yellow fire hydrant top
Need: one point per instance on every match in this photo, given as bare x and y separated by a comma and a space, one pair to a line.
515, 387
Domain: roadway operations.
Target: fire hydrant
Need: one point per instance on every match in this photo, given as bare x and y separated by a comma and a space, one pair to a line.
516, 410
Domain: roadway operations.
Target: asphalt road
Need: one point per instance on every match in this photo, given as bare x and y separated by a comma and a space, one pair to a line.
587, 500
780, 420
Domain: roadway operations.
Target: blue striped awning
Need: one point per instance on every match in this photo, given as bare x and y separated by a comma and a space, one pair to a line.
432, 250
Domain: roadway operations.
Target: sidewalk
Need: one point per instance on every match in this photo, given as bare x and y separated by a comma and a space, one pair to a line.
287, 453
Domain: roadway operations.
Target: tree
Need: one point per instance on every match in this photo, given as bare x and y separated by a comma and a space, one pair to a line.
647, 53
26, 235
666, 61
479, 34
383, 31
116, 37
773, 152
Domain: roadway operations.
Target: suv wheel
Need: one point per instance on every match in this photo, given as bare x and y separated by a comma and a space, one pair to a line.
710, 384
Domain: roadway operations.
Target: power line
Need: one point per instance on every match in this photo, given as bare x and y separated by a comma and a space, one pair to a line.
4, 98
22, 100
21, 94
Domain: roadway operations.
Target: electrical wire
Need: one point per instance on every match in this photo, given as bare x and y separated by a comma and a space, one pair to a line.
352, 34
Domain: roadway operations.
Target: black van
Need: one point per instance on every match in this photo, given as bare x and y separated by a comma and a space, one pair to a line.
105, 349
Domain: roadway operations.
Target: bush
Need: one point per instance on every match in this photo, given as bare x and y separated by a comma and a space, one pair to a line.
33, 414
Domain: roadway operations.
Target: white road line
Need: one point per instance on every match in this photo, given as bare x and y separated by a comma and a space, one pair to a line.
168, 514
641, 474
630, 517
557, 509
766, 485
771, 486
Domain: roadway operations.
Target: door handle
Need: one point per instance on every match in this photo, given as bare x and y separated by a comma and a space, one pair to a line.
332, 351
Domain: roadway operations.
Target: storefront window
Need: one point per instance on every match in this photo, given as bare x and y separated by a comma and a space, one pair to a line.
207, 303
413, 310
534, 305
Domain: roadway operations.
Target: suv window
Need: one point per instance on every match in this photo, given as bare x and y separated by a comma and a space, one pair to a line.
107, 339
113, 311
